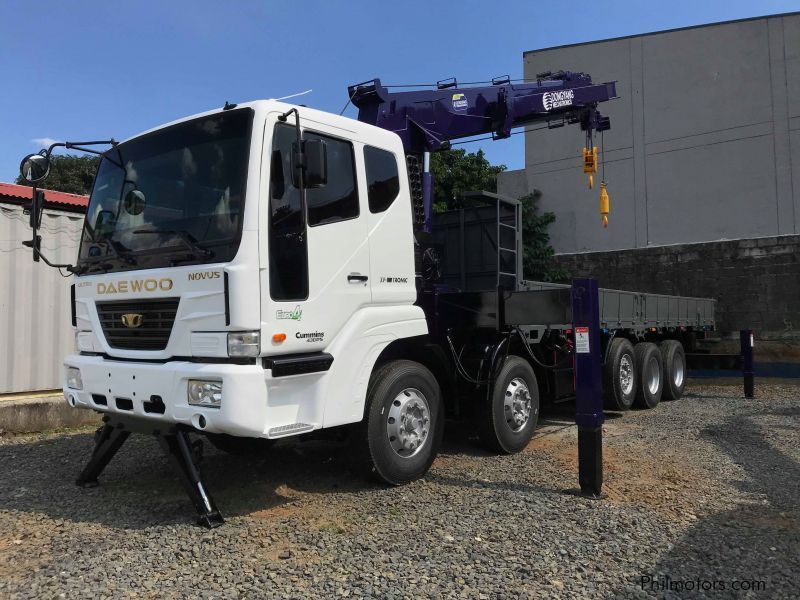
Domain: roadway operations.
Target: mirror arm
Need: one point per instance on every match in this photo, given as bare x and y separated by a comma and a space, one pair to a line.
37, 253
301, 158
79, 146
37, 209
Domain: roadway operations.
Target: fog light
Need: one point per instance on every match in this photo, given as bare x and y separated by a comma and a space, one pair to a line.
244, 343
74, 380
205, 393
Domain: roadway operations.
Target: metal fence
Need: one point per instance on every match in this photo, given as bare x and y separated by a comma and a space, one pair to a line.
35, 328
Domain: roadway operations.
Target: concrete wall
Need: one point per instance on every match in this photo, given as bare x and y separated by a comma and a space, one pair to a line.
704, 142
756, 281
35, 319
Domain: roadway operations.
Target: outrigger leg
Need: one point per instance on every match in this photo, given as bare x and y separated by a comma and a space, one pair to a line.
108, 439
184, 458
183, 454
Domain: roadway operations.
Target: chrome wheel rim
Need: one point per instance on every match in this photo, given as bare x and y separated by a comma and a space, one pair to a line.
517, 404
653, 375
626, 374
677, 370
408, 422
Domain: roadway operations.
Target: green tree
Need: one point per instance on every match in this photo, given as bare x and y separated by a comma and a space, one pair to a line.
537, 253
456, 172
69, 173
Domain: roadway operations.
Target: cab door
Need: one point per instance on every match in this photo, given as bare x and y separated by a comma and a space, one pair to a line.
318, 249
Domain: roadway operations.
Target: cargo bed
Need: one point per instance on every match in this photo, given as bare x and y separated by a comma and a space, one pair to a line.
640, 310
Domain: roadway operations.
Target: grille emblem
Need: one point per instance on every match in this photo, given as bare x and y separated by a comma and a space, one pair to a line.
132, 320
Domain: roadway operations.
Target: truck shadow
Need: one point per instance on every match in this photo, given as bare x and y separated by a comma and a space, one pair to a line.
758, 540
139, 489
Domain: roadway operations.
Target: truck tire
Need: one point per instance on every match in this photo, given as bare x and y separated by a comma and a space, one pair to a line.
239, 446
508, 422
620, 375
674, 359
404, 421
650, 368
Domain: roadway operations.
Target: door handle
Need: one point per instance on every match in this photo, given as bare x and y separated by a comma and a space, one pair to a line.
357, 278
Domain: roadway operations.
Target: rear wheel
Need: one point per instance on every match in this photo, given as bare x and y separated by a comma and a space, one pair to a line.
620, 375
674, 359
508, 422
404, 421
650, 367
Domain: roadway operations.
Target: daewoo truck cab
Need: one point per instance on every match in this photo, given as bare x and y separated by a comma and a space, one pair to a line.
266, 270
210, 293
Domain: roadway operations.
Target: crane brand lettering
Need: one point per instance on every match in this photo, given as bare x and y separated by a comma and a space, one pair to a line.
135, 285
459, 102
553, 100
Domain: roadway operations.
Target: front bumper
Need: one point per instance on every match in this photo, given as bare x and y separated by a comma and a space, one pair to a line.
130, 388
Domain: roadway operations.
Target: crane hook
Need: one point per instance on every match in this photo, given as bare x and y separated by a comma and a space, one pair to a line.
605, 203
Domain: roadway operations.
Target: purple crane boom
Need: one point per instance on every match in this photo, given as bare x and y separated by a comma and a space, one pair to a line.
427, 120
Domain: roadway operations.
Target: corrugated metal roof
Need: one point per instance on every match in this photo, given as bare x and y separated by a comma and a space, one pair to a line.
51, 197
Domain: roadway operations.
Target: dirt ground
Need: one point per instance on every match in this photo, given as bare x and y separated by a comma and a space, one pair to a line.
699, 490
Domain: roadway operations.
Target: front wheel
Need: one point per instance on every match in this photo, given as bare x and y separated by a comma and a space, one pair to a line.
510, 418
404, 421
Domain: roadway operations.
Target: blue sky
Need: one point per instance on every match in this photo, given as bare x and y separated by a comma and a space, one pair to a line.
96, 69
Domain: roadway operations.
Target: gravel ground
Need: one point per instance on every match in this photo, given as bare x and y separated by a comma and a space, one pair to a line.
702, 489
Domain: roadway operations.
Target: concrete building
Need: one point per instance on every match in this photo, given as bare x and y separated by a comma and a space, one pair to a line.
702, 163
35, 328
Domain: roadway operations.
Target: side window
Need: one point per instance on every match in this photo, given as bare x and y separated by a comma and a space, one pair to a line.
288, 255
383, 181
337, 200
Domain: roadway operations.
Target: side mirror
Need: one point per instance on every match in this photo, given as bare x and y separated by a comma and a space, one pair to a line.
37, 207
316, 155
134, 202
104, 223
34, 167
310, 163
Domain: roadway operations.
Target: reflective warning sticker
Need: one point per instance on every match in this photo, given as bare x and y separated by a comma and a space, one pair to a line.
582, 340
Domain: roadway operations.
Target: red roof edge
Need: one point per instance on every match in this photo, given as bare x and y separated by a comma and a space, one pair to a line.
52, 198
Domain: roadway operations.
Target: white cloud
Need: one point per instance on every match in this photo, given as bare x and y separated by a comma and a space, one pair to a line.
44, 142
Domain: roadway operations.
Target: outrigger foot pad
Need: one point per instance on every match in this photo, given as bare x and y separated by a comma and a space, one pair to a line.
184, 455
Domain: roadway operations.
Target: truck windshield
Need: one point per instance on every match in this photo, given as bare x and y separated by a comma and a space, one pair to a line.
174, 196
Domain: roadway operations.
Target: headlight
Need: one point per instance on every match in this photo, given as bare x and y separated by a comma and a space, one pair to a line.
74, 380
205, 393
244, 343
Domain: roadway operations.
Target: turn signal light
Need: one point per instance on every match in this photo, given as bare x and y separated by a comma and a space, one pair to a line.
279, 337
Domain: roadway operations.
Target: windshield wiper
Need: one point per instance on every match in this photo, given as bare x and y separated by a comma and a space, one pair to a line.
197, 250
